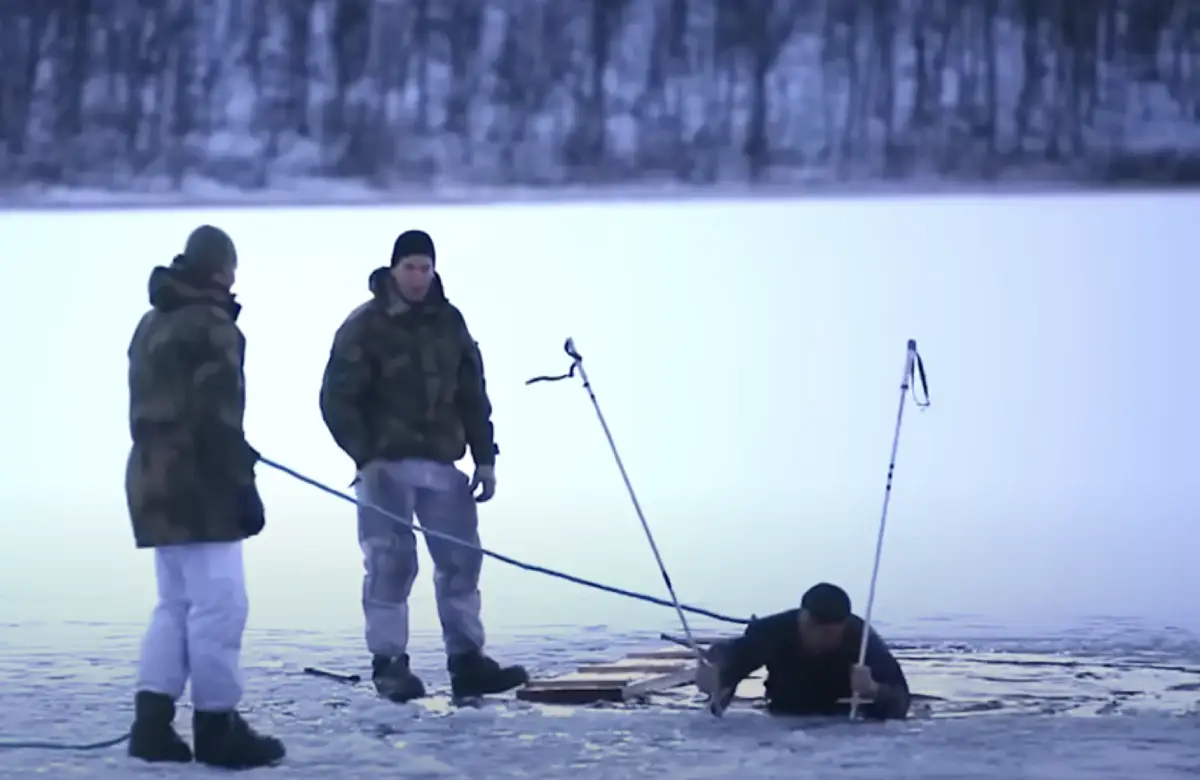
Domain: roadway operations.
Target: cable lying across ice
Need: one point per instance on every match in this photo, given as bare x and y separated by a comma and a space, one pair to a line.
35, 745
504, 558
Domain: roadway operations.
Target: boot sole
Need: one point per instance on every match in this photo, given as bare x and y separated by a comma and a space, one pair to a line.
162, 759
241, 767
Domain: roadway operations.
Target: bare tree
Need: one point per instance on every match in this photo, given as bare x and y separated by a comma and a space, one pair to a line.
139, 94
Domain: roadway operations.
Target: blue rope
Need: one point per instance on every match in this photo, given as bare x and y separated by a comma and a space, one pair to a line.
504, 558
33, 745
64, 745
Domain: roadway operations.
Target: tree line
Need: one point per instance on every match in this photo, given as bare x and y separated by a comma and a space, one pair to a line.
130, 94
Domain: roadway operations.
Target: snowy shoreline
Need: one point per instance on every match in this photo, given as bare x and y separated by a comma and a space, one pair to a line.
330, 193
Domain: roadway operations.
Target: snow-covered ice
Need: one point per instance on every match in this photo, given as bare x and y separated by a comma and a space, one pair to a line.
1054, 476
72, 683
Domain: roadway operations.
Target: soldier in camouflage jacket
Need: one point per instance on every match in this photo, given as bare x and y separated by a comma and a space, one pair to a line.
404, 396
189, 484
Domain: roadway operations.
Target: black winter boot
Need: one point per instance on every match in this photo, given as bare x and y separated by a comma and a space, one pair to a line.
225, 739
474, 674
153, 737
394, 680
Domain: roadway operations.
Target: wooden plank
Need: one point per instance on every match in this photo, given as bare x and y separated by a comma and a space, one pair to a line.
636, 690
598, 678
570, 696
635, 666
637, 685
700, 639
625, 679
582, 691
584, 684
637, 675
666, 653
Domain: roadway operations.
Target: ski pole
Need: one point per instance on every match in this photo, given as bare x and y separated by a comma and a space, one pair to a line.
914, 368
577, 368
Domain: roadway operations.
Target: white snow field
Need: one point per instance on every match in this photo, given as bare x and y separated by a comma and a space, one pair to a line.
1105, 700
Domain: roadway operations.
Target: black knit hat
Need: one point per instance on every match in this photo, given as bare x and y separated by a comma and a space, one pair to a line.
208, 249
826, 604
413, 242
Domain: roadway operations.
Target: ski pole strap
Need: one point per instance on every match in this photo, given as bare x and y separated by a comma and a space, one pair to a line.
920, 376
576, 361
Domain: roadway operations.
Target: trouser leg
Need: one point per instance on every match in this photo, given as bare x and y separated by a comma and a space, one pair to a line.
389, 551
215, 580
163, 662
444, 504
162, 668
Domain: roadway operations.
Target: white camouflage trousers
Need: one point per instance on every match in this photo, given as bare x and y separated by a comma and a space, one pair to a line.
196, 628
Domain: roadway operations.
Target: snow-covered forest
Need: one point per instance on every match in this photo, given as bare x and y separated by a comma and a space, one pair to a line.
441, 96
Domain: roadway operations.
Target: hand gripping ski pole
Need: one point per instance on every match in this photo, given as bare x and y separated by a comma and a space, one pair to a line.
577, 368
914, 369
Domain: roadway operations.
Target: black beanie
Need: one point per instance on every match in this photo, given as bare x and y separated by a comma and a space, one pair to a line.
413, 242
826, 603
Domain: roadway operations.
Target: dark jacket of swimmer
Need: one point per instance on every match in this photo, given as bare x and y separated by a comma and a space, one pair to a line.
810, 654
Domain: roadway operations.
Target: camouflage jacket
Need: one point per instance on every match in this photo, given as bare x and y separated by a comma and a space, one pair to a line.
407, 381
186, 402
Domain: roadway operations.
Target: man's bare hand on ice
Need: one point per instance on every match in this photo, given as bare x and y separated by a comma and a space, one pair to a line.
862, 682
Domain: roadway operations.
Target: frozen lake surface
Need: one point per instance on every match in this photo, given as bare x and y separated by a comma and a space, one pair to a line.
1054, 475
1108, 699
